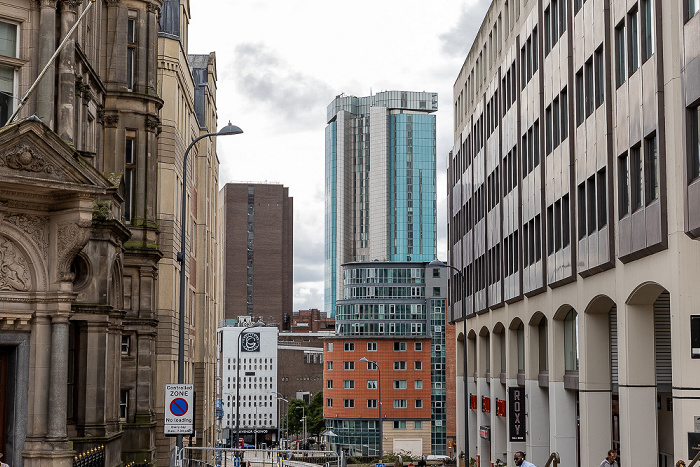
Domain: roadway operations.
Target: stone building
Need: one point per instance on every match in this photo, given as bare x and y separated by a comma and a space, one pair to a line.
83, 348
573, 220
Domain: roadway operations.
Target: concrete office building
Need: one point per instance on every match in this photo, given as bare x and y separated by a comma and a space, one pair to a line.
573, 218
258, 252
256, 350
388, 212
392, 314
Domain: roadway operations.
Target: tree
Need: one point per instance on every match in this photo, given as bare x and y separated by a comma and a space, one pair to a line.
295, 415
315, 423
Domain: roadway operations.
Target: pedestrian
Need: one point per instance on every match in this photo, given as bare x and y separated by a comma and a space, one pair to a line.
421, 462
398, 462
680, 463
519, 458
2, 464
611, 461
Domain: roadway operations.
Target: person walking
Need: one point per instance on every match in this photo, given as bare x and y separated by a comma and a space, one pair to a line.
519, 458
421, 462
611, 460
398, 462
2, 464
680, 463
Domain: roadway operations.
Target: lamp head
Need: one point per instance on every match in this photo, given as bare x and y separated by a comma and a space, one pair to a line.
364, 359
230, 130
436, 263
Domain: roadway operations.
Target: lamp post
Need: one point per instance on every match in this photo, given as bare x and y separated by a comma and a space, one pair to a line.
379, 388
225, 131
441, 264
279, 419
257, 324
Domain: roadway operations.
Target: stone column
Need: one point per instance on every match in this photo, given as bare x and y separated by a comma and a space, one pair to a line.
47, 46
58, 379
66, 74
151, 49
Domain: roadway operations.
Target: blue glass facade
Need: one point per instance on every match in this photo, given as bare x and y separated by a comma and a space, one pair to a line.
386, 210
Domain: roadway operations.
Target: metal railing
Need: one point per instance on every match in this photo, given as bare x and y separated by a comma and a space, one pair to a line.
237, 457
95, 457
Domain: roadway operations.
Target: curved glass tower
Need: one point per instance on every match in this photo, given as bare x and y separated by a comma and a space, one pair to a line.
380, 182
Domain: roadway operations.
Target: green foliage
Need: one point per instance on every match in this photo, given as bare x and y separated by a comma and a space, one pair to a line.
315, 424
102, 210
295, 416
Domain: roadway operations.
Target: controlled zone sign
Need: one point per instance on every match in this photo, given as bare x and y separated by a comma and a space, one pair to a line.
179, 409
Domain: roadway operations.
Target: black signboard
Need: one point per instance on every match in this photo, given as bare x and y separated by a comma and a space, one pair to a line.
693, 445
516, 414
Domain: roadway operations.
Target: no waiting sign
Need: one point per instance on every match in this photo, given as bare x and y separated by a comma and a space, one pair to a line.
179, 409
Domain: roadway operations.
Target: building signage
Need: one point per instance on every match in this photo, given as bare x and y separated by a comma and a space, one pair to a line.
259, 431
693, 445
516, 420
179, 409
485, 432
250, 342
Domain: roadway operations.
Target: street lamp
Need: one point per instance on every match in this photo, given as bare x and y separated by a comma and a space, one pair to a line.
279, 420
225, 131
257, 324
441, 264
379, 388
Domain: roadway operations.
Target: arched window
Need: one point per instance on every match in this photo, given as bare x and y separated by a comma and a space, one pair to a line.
571, 341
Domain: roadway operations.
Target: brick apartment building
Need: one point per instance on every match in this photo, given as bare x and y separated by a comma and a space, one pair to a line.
392, 314
312, 320
258, 252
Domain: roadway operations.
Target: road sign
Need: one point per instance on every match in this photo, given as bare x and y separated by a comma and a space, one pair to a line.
179, 409
379, 464
236, 462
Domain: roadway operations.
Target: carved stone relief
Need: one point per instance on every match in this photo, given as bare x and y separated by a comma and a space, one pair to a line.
14, 268
34, 226
70, 240
22, 157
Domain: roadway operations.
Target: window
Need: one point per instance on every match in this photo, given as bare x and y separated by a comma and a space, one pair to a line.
399, 424
130, 51
129, 177
436, 291
637, 178
371, 403
126, 345
418, 425
372, 384
371, 346
436, 272
651, 169
399, 346
620, 53
647, 29
123, 405
693, 7
633, 40
349, 403
329, 402
418, 346
349, 365
580, 111
694, 140
418, 384
582, 210
547, 32
599, 77
371, 366
591, 211
417, 365
329, 365
623, 176
571, 341
400, 384
419, 403
588, 69
399, 365
602, 185
548, 129
564, 114
330, 346
400, 404
349, 384
349, 346
555, 123
8, 48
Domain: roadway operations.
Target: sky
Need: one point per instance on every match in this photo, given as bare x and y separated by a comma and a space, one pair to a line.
281, 62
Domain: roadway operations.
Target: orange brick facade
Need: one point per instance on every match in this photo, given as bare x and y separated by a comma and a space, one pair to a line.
385, 356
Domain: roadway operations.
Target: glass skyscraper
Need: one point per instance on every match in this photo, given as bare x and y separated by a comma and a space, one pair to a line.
380, 182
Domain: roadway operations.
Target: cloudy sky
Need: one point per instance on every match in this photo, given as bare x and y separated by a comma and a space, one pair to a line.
281, 62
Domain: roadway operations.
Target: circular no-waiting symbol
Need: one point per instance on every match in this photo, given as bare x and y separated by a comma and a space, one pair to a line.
178, 407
